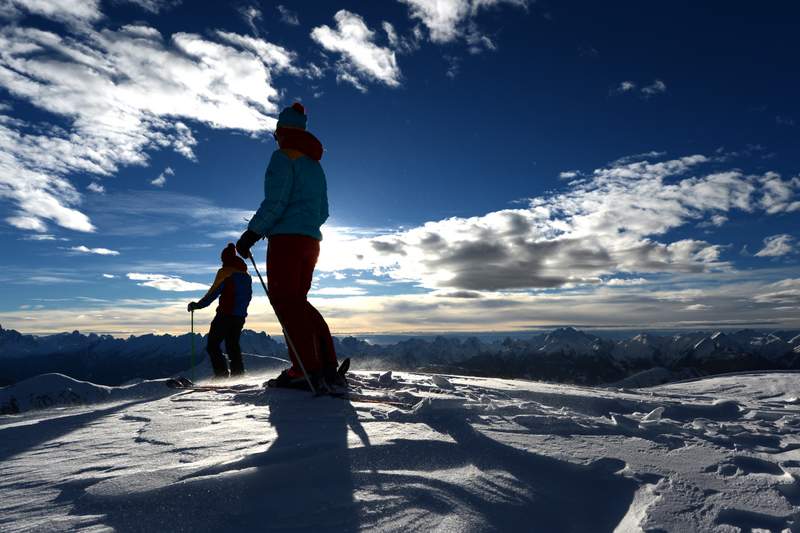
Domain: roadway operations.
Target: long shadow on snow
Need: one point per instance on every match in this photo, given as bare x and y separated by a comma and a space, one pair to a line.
19, 439
517, 490
302, 482
308, 477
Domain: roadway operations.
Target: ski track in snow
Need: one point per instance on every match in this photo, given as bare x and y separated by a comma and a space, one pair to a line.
473, 454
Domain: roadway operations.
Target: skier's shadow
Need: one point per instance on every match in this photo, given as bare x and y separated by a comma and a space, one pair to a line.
314, 436
303, 480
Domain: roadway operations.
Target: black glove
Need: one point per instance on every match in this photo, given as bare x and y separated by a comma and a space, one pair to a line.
191, 307
247, 240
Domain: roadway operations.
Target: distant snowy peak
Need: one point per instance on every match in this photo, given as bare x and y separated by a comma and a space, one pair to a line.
14, 344
721, 345
563, 354
570, 340
643, 346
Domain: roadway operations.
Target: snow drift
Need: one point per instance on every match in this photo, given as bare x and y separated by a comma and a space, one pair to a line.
427, 453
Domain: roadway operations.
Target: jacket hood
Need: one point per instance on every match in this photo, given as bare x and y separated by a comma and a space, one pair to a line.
231, 260
300, 140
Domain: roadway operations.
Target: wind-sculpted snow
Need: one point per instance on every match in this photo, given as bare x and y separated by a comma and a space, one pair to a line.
431, 452
58, 390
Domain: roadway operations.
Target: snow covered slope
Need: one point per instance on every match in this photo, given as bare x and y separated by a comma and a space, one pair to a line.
58, 390
472, 454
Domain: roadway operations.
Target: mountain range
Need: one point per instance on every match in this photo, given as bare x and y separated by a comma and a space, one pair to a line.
563, 355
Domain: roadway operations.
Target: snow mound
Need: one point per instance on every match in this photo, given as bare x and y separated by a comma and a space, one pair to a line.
58, 390
406, 453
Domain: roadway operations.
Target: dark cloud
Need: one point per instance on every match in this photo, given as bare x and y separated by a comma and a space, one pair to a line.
518, 224
432, 241
386, 247
499, 303
480, 252
461, 294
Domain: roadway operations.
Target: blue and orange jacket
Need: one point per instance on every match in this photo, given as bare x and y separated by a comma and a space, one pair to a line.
234, 287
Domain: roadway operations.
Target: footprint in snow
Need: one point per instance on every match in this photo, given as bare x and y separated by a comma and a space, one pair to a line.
743, 465
132, 418
788, 485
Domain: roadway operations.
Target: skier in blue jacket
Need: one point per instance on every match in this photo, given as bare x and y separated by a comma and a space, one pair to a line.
295, 205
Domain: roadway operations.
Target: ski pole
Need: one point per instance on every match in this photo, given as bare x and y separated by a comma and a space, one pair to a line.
192, 370
262, 356
285, 333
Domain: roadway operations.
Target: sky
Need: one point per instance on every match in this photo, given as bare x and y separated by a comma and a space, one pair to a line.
492, 165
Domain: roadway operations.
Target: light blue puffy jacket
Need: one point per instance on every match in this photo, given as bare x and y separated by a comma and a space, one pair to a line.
295, 196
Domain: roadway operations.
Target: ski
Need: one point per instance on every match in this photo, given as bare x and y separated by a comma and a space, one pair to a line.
185, 384
221, 389
371, 399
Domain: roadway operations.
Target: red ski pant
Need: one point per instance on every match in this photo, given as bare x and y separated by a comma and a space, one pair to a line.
290, 267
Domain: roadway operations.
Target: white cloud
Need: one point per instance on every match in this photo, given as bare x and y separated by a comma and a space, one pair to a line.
657, 87
626, 86
391, 34
478, 42
273, 56
453, 65
648, 91
339, 291
449, 20
161, 180
371, 282
23, 221
362, 59
230, 234
568, 174
738, 301
783, 292
342, 76
251, 15
715, 221
443, 19
165, 283
625, 282
39, 237
288, 16
66, 11
780, 196
157, 212
96, 188
608, 223
109, 276
97, 251
154, 6
776, 246
123, 93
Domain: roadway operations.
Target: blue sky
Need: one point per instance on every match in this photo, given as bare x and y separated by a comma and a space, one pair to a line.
492, 165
